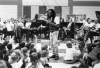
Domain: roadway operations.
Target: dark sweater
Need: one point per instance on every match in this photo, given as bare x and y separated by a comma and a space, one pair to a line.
94, 52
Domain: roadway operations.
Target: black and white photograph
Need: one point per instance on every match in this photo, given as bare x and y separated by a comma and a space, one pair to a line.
49, 33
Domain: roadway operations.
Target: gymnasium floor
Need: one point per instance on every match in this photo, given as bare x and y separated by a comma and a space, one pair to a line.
61, 49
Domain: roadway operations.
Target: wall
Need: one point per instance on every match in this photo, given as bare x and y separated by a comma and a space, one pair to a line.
67, 6
85, 7
41, 6
86, 0
17, 3
46, 2
88, 10
8, 11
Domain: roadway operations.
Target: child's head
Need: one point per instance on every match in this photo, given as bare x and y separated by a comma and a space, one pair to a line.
15, 56
33, 50
9, 46
69, 44
44, 47
24, 50
28, 45
34, 57
80, 39
47, 66
32, 46
81, 45
44, 53
22, 44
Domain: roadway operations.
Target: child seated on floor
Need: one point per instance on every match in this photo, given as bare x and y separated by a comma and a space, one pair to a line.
34, 62
71, 54
44, 54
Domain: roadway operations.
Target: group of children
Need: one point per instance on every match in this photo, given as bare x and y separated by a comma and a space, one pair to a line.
25, 55
87, 54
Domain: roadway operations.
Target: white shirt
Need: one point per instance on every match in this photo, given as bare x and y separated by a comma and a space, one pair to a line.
69, 25
70, 53
28, 24
9, 26
39, 65
21, 24
57, 20
17, 64
44, 60
88, 25
97, 26
97, 65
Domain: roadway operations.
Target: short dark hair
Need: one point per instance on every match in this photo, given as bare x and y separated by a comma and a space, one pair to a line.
28, 45
33, 50
44, 47
46, 65
22, 44
80, 38
9, 46
32, 45
33, 57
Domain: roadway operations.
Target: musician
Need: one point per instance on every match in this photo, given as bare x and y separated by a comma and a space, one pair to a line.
9, 26
91, 30
27, 27
88, 23
97, 25
51, 14
17, 31
69, 29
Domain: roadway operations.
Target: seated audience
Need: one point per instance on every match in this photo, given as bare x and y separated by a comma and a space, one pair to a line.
16, 59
